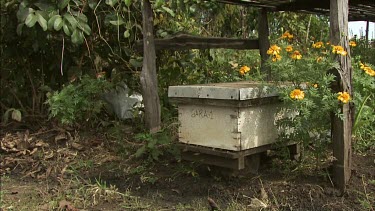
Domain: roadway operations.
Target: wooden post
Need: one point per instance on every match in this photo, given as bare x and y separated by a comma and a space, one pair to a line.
367, 31
341, 129
148, 75
264, 43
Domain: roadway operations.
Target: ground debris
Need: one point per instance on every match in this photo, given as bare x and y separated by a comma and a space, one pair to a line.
66, 206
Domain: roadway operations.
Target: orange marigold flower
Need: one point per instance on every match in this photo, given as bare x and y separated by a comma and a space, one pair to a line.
274, 50
276, 57
370, 71
296, 55
244, 70
289, 48
319, 59
287, 35
318, 45
336, 49
352, 44
362, 66
297, 94
343, 97
367, 69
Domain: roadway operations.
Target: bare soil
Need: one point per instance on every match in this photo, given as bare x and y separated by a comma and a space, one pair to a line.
45, 167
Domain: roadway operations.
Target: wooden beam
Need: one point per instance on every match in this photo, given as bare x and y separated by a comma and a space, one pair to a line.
149, 83
341, 128
186, 42
264, 43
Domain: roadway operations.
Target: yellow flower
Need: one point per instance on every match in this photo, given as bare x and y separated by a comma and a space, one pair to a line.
244, 69
297, 94
352, 43
289, 48
319, 59
274, 50
296, 55
276, 57
336, 49
361, 65
315, 85
287, 35
343, 97
318, 45
367, 69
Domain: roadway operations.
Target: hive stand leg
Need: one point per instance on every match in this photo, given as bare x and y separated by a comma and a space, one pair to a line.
295, 151
252, 163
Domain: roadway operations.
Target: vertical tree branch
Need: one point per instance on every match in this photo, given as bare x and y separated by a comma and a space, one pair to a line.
148, 75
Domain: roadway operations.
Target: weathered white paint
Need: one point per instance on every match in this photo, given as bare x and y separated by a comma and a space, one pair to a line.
223, 91
224, 127
209, 126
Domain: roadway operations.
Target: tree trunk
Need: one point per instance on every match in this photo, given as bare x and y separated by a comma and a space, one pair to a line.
148, 75
341, 129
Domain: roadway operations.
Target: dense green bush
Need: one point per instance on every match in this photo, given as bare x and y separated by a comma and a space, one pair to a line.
78, 102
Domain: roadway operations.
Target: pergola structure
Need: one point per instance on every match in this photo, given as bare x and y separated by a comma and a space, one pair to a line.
359, 10
340, 12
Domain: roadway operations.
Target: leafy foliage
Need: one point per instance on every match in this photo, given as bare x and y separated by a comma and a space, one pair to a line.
364, 123
155, 145
307, 92
78, 102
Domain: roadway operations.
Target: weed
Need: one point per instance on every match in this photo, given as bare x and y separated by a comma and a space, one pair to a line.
78, 103
367, 200
154, 145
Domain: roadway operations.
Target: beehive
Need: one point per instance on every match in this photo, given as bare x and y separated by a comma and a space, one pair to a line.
229, 116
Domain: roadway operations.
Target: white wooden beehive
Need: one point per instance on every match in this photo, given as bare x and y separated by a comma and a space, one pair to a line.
230, 116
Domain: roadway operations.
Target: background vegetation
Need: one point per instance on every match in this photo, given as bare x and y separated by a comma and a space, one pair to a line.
57, 57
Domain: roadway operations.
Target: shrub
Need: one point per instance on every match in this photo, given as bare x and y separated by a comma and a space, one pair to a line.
79, 101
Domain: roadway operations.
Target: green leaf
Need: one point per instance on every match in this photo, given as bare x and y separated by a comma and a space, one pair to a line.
51, 21
58, 24
45, 6
128, 2
140, 151
117, 22
81, 17
127, 33
168, 10
16, 115
111, 2
42, 22
86, 29
93, 3
63, 3
19, 29
6, 115
159, 3
66, 29
73, 22
135, 63
31, 20
22, 13
77, 36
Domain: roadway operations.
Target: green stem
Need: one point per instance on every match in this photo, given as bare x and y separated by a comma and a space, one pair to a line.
359, 112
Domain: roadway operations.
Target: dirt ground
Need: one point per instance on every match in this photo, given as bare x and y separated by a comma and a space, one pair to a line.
45, 167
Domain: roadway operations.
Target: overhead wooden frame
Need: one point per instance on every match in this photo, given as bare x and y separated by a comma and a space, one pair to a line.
359, 10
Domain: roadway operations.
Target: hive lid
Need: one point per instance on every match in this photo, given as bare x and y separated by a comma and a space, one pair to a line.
243, 90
